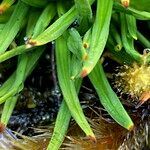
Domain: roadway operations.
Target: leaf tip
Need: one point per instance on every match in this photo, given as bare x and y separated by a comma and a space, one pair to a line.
84, 73
32, 42
131, 127
91, 138
1, 10
2, 127
3, 7
125, 3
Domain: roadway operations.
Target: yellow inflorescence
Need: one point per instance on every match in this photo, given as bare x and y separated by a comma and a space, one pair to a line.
134, 79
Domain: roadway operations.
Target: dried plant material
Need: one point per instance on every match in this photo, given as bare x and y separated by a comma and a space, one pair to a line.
15, 141
139, 138
105, 132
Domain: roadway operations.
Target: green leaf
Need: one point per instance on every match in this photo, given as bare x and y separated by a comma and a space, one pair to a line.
13, 83
142, 5
32, 20
99, 35
8, 109
85, 14
76, 65
75, 44
131, 25
84, 9
44, 20
62, 123
13, 26
57, 28
141, 15
143, 39
119, 56
67, 86
61, 126
4, 17
5, 4
108, 98
36, 3
13, 52
115, 37
17, 85
7, 85
128, 40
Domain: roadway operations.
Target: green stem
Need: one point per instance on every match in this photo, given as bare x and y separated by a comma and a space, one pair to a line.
143, 39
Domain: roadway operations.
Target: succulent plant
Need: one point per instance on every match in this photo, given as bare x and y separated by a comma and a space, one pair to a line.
82, 32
